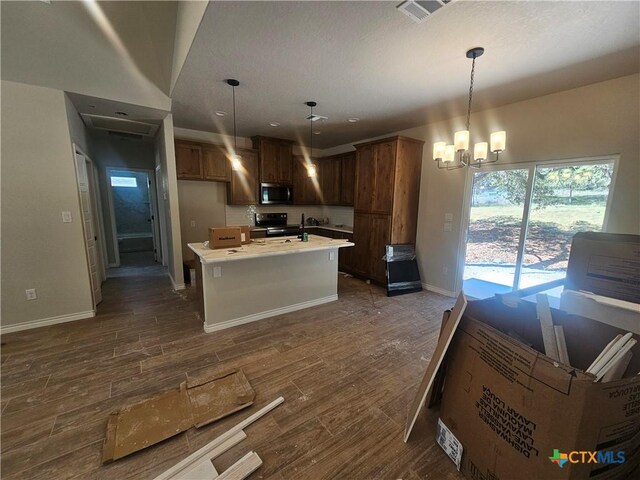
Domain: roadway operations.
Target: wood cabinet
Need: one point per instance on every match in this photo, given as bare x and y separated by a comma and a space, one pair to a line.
330, 179
306, 190
215, 163
387, 191
243, 187
347, 178
188, 160
275, 159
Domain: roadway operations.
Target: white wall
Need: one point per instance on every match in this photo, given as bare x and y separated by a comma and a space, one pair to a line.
166, 158
77, 129
188, 18
126, 56
204, 204
38, 183
594, 120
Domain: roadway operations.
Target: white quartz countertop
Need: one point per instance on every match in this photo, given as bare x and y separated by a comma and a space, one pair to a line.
335, 228
267, 247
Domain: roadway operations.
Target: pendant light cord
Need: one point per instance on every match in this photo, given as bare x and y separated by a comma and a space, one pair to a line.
235, 137
311, 135
473, 69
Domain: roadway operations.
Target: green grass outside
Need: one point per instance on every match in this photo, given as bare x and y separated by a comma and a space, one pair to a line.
564, 216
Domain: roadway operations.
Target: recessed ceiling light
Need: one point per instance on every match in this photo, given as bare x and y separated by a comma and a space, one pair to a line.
353, 119
122, 114
274, 124
92, 106
317, 132
220, 113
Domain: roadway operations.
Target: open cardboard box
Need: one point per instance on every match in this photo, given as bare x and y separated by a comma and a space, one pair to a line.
512, 409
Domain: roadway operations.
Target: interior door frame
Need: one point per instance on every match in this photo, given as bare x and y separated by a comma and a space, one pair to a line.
531, 166
94, 198
151, 186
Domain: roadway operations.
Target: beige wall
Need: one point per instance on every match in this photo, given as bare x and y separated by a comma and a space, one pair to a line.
204, 204
166, 158
598, 119
38, 183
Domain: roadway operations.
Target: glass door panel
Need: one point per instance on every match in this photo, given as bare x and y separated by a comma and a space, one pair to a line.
565, 200
493, 236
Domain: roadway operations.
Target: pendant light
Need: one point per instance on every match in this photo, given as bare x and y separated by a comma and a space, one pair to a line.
311, 168
236, 159
444, 154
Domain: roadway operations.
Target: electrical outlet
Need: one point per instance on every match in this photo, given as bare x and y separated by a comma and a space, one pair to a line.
445, 270
31, 294
66, 217
448, 217
193, 223
332, 256
217, 272
447, 227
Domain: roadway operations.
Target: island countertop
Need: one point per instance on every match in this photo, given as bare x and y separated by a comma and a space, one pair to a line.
267, 247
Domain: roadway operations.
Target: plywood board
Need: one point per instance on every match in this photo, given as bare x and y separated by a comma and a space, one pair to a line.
213, 400
446, 336
152, 420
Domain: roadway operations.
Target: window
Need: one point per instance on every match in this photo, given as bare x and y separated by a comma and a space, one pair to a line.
129, 182
522, 220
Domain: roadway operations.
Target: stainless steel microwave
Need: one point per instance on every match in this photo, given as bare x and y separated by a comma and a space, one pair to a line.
275, 193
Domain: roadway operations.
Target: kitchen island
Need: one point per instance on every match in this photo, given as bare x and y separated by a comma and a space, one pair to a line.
265, 278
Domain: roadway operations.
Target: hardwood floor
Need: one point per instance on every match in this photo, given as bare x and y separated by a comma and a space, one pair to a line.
347, 370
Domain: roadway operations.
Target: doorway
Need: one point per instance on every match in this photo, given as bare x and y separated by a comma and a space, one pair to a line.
521, 220
133, 217
86, 174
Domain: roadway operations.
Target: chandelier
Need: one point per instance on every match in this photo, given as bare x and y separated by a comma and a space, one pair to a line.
445, 155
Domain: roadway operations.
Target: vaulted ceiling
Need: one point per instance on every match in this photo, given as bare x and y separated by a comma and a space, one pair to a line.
368, 60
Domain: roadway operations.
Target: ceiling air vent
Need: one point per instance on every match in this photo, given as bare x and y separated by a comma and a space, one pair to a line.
419, 11
112, 124
315, 118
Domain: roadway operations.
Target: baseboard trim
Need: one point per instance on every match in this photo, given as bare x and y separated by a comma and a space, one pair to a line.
441, 291
47, 321
268, 313
176, 286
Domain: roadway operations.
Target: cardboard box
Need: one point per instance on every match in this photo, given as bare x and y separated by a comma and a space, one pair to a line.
512, 412
225, 237
606, 264
245, 234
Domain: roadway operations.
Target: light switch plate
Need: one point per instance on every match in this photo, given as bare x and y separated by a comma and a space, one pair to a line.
66, 217
31, 294
217, 272
332, 256
193, 223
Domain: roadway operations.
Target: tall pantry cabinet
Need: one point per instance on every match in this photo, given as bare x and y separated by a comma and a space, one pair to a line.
386, 201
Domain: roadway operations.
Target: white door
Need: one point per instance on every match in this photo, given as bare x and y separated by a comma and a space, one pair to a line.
89, 229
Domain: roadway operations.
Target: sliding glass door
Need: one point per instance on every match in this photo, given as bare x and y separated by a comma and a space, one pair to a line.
522, 220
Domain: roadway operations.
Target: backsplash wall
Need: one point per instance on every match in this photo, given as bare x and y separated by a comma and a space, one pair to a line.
244, 215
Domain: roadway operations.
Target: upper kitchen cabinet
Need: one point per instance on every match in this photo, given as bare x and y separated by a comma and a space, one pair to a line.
330, 175
348, 179
243, 188
215, 163
375, 168
275, 159
188, 160
306, 189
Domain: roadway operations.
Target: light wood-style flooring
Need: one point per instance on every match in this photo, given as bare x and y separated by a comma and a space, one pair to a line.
347, 370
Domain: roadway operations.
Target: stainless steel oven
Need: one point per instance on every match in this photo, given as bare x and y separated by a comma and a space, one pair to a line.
275, 193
